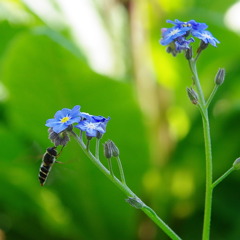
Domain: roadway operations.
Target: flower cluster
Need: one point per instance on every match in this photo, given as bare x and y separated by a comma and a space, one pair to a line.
178, 38
93, 126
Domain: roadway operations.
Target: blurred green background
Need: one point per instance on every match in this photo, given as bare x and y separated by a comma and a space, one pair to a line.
104, 55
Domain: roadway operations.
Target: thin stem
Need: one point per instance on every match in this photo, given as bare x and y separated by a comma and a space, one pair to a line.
88, 145
208, 151
81, 134
126, 190
198, 54
230, 170
192, 64
97, 148
110, 166
212, 95
208, 195
121, 170
151, 214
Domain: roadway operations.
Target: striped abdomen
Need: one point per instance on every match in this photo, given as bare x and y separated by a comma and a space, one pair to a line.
43, 173
47, 162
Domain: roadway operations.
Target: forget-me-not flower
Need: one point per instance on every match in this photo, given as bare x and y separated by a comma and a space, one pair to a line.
64, 118
178, 37
94, 126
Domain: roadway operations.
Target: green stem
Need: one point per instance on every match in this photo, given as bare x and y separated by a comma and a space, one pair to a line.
208, 196
110, 166
127, 191
230, 170
208, 152
121, 170
88, 145
212, 95
193, 67
97, 148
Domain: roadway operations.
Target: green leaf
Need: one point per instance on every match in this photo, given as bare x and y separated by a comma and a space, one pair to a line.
43, 77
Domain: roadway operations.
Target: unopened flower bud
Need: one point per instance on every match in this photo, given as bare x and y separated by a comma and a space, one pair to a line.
135, 202
57, 139
192, 96
188, 53
202, 46
236, 164
220, 76
108, 149
114, 148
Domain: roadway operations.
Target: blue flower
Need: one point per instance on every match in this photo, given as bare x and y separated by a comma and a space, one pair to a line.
94, 126
182, 44
64, 118
192, 24
179, 45
177, 37
197, 26
206, 37
169, 35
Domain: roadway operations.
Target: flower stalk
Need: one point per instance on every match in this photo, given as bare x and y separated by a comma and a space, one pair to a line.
220, 179
121, 170
126, 190
208, 152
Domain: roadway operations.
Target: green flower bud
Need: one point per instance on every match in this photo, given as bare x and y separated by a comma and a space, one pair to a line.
192, 96
108, 149
189, 53
58, 139
220, 76
202, 46
114, 148
236, 164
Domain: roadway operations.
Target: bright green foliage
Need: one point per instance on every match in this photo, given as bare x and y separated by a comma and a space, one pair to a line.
43, 71
41, 77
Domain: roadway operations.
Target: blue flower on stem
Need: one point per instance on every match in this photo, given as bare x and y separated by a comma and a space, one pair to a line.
192, 24
169, 35
64, 118
94, 126
206, 37
183, 44
177, 37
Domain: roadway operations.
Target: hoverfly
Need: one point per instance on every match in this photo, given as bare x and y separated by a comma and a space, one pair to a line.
49, 158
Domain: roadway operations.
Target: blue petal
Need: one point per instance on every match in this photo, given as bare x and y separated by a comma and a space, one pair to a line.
62, 113
81, 125
66, 112
75, 112
86, 116
51, 122
91, 132
169, 35
59, 127
73, 120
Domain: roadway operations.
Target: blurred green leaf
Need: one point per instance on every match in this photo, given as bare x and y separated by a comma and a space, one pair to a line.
43, 77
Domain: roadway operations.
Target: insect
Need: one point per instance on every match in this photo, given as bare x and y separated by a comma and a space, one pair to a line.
49, 158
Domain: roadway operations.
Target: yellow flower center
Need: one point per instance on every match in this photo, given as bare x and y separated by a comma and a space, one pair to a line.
65, 119
186, 24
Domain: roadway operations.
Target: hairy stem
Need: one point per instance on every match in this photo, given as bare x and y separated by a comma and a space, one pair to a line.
208, 196
208, 151
126, 190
